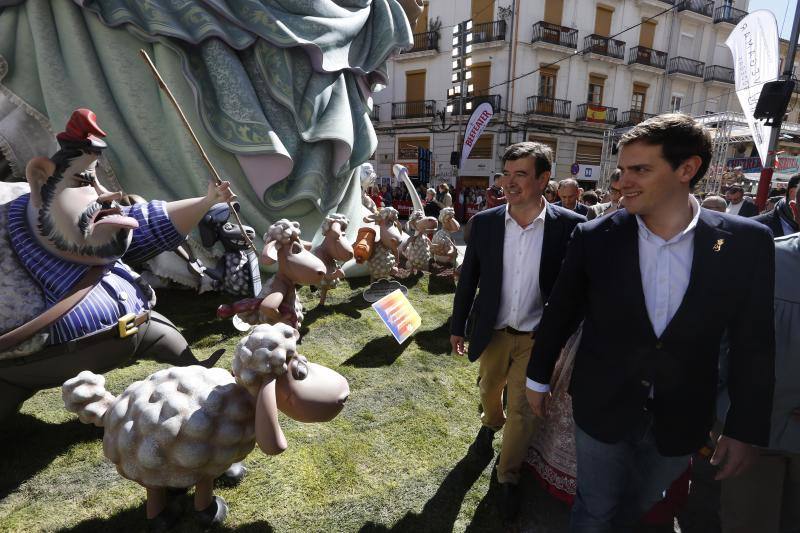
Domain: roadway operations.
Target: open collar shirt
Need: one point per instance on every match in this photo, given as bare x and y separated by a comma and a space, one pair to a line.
521, 305
665, 267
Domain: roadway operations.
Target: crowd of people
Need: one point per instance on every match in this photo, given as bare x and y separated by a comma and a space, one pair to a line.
602, 316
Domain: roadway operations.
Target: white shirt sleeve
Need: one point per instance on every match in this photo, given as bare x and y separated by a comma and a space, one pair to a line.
536, 386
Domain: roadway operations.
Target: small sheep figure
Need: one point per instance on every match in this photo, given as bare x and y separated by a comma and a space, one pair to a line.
443, 247
185, 426
277, 301
333, 250
417, 249
383, 260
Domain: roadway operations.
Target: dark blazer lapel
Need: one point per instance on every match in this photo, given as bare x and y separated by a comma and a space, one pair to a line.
628, 272
553, 236
709, 239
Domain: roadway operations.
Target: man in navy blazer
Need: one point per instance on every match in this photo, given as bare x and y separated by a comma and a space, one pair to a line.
513, 257
643, 395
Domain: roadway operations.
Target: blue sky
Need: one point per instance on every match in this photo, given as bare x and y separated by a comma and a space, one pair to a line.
779, 7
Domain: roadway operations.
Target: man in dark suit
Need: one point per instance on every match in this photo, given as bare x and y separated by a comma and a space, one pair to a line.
513, 257
738, 203
568, 192
781, 219
643, 398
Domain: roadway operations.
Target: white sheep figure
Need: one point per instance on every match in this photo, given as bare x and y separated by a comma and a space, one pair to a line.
417, 249
185, 426
443, 247
383, 261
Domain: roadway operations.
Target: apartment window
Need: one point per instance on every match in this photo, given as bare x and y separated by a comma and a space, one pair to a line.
547, 82
551, 143
481, 74
553, 10
596, 86
415, 86
711, 106
483, 147
407, 147
647, 33
602, 20
482, 11
588, 153
638, 97
675, 103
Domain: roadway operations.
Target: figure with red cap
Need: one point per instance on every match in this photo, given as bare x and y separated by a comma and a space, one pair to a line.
71, 239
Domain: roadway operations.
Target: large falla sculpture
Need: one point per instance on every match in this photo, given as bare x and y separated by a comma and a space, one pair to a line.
183, 427
70, 301
278, 92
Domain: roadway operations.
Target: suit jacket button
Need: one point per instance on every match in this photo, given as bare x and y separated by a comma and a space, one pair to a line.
659, 345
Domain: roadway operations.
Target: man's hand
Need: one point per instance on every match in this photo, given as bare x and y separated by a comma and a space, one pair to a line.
221, 193
538, 402
734, 455
457, 345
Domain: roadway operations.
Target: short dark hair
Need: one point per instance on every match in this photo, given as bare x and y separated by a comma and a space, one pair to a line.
736, 188
589, 198
793, 181
615, 176
679, 136
541, 153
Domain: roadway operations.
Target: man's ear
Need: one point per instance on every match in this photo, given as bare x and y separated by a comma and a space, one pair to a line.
691, 166
37, 172
795, 210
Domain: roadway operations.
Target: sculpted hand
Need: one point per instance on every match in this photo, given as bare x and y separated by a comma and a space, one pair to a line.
457, 344
538, 402
219, 193
734, 455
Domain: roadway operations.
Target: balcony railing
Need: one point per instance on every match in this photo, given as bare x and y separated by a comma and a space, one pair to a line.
684, 65
647, 56
597, 113
555, 34
728, 14
375, 114
417, 109
460, 107
633, 117
703, 7
719, 73
550, 107
604, 46
428, 40
486, 32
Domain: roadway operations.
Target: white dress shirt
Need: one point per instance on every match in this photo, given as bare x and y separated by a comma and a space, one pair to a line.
733, 209
665, 267
521, 303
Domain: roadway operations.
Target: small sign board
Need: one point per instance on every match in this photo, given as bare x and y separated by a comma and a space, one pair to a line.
398, 314
381, 288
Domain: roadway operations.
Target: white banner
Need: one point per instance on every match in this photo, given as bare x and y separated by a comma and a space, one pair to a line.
754, 45
477, 123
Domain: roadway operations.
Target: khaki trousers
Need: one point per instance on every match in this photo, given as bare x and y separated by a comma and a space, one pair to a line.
505, 362
765, 498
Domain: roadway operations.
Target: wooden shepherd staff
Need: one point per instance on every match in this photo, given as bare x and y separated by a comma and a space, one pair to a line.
217, 179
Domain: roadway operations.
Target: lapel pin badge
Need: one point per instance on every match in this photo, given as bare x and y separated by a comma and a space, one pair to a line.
718, 245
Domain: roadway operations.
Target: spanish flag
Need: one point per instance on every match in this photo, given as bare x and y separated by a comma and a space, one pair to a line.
595, 113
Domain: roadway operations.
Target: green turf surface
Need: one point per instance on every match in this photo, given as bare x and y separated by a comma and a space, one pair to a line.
393, 460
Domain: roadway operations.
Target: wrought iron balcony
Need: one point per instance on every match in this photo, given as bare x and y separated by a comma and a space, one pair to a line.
702, 7
486, 32
728, 14
604, 46
550, 107
633, 117
416, 109
597, 113
375, 114
555, 34
719, 73
428, 40
647, 56
684, 65
461, 107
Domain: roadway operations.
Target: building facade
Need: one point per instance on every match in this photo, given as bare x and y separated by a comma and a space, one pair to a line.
577, 68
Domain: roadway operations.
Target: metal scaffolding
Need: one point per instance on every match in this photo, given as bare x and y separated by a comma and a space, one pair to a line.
726, 129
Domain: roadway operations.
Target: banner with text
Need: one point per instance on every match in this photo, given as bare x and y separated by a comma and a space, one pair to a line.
477, 123
754, 45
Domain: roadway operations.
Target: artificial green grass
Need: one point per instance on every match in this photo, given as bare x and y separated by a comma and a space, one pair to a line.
394, 459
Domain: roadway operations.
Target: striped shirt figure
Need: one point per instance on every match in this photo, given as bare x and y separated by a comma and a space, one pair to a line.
117, 293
